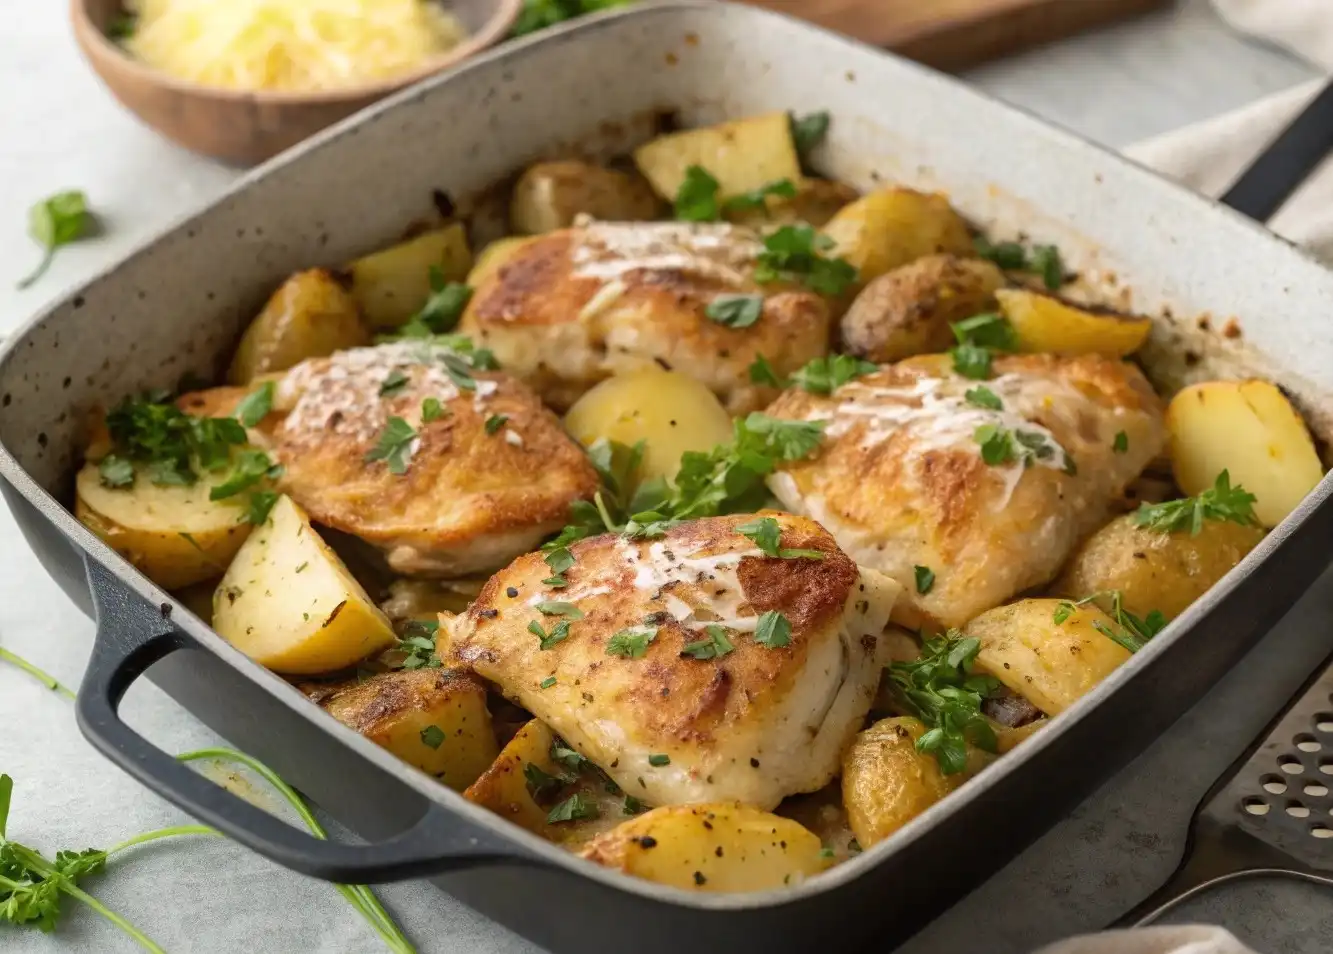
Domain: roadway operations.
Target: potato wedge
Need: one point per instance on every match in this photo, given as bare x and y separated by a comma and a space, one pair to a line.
1154, 570
1050, 664
549, 195
816, 201
174, 535
1250, 430
1049, 324
311, 315
390, 286
889, 228
907, 311
1008, 738
671, 412
723, 846
290, 604
435, 720
741, 155
493, 257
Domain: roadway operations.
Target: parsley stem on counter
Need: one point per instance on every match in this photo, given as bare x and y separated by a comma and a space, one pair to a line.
45, 678
53, 222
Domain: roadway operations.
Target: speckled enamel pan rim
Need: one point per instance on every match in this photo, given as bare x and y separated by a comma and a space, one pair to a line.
540, 850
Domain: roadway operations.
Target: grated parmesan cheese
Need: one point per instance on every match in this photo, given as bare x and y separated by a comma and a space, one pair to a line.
302, 45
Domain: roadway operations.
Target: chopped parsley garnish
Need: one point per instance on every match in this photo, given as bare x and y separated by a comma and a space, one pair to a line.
547, 683
559, 560
735, 311
633, 806
393, 383
577, 807
757, 198
983, 397
417, 644
432, 735
432, 410
56, 221
999, 445
761, 372
942, 691
1121, 443
495, 422
809, 131
971, 361
395, 446
1128, 630
1219, 502
541, 784
1044, 260
442, 309
115, 471
826, 375
766, 533
925, 579
564, 755
978, 338
558, 634
249, 467
259, 505
696, 199
658, 760
715, 644
773, 631
793, 253
556, 608
631, 643
254, 407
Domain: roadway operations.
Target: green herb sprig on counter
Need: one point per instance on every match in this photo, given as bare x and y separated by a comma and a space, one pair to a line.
1129, 631
942, 691
1043, 260
1219, 502
55, 221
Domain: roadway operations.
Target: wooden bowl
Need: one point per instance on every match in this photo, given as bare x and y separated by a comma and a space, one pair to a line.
243, 128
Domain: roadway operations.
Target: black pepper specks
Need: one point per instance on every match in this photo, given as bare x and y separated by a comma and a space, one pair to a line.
718, 851
489, 613
699, 878
647, 841
511, 592
754, 763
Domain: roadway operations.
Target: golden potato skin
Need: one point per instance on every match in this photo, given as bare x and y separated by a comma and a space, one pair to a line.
1250, 430
718, 846
1154, 570
311, 315
1051, 665
889, 228
815, 203
907, 311
1048, 324
550, 195
394, 709
391, 285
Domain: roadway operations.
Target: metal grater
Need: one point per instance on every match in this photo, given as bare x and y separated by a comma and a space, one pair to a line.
1271, 816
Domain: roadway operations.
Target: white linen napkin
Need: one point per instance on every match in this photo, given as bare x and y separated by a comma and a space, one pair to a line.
1174, 939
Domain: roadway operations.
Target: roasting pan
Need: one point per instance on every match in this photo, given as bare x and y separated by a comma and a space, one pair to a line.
1231, 299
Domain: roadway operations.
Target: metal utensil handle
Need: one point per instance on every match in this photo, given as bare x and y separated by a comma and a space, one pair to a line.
1286, 162
131, 637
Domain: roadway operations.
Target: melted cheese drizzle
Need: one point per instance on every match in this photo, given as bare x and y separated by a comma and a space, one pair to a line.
716, 583
716, 251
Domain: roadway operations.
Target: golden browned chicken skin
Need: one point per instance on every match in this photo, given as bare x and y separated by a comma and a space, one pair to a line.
756, 723
472, 497
900, 480
575, 306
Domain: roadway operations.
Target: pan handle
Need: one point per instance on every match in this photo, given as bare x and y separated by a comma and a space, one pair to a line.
1286, 162
131, 637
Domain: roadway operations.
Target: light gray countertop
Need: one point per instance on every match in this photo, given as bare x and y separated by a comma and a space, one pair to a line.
60, 130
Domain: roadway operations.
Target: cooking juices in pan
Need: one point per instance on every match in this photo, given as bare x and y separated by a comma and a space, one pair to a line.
713, 525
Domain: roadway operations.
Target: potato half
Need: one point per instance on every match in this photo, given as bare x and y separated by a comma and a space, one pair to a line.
310, 316
1250, 430
390, 286
723, 846
671, 412
887, 229
1048, 324
1051, 665
174, 535
1154, 570
741, 155
435, 720
549, 195
290, 604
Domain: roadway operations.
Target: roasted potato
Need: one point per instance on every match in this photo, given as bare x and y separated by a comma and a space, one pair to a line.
724, 846
492, 258
886, 782
1050, 664
741, 155
549, 195
1154, 570
1049, 324
907, 311
816, 201
174, 535
671, 412
311, 315
1008, 738
290, 604
390, 286
435, 720
1250, 430
889, 228
526, 783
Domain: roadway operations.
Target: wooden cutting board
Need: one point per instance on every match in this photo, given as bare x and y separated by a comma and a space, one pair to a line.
957, 34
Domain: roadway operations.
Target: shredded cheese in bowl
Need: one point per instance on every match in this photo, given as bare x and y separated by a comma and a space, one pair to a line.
294, 45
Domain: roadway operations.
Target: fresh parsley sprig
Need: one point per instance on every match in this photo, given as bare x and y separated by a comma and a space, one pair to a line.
59, 220
795, 253
941, 690
417, 645
697, 197
766, 533
440, 314
979, 338
1219, 502
1043, 260
1129, 631
808, 131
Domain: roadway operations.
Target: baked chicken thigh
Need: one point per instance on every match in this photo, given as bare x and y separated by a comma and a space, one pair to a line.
690, 668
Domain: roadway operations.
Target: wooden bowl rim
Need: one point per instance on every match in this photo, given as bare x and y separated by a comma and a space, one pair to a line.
98, 46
